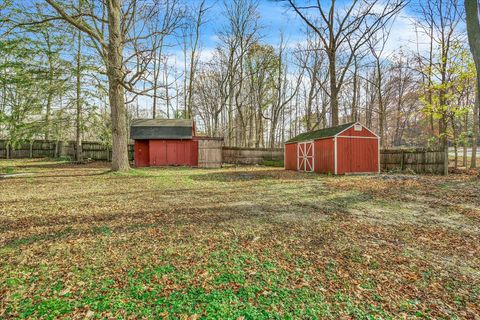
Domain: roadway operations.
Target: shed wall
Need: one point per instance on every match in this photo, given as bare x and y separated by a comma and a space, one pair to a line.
357, 155
324, 156
291, 156
142, 158
352, 133
173, 152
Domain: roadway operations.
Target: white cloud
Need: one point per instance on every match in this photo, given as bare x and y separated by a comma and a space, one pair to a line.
403, 34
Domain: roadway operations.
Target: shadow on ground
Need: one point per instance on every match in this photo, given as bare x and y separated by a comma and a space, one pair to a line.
248, 175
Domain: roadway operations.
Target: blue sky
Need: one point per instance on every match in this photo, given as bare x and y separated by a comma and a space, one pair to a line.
276, 17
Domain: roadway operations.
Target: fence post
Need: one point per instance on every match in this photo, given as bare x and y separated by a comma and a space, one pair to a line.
402, 162
31, 149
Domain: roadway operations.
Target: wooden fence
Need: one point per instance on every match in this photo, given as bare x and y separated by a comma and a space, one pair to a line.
420, 160
54, 149
251, 155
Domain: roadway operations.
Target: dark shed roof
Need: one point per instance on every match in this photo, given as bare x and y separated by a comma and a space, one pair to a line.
322, 133
161, 129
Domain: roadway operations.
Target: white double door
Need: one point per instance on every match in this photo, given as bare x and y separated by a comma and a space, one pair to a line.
305, 160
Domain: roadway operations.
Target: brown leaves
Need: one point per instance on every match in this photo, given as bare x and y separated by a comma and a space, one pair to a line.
405, 244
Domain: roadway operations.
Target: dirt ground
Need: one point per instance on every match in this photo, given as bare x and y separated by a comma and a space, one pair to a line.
78, 241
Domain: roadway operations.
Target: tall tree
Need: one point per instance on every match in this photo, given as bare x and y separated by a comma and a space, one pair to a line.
78, 94
472, 8
113, 25
440, 20
195, 27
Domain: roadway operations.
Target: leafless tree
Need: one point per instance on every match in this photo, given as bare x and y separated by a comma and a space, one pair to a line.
343, 32
114, 25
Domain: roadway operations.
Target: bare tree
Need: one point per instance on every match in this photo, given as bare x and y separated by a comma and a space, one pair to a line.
310, 59
376, 45
343, 32
198, 21
163, 23
113, 25
284, 91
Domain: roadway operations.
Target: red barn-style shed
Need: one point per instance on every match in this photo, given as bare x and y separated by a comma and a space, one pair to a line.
343, 149
163, 142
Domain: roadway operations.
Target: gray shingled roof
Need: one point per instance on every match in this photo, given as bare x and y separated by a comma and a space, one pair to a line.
322, 133
162, 123
143, 129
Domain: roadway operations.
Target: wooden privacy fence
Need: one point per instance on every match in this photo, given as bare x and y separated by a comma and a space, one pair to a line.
210, 152
251, 155
420, 160
53, 149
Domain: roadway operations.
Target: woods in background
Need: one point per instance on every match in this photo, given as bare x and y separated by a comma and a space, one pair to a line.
81, 70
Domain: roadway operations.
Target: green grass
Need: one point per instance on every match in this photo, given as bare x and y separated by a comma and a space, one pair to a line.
272, 163
80, 241
7, 170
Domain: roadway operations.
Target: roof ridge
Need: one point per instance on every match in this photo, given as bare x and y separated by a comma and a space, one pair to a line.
316, 134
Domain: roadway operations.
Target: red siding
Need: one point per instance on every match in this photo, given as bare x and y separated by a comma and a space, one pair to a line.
357, 155
141, 153
173, 152
351, 132
357, 152
324, 157
291, 156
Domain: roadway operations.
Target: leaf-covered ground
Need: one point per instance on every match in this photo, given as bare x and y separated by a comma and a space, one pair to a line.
77, 241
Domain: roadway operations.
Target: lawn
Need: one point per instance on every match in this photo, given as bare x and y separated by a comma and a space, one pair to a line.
78, 241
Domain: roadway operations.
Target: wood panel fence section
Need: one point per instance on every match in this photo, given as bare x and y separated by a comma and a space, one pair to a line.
251, 155
54, 149
420, 160
210, 152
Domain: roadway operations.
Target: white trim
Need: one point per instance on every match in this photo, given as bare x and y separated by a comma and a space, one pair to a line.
352, 126
357, 137
298, 157
335, 155
313, 156
345, 129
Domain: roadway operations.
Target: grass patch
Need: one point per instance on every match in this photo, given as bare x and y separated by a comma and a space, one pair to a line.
272, 163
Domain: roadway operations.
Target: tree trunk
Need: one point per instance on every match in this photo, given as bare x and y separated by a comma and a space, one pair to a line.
455, 142
155, 85
465, 142
333, 88
476, 112
473, 30
381, 107
116, 90
78, 124
354, 115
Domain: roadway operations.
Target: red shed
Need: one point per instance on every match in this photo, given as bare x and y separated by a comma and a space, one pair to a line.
161, 142
347, 148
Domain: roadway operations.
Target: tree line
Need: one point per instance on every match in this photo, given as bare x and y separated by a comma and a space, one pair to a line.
84, 69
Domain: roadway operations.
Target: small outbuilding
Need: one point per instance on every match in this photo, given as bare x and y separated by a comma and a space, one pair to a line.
172, 142
343, 149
